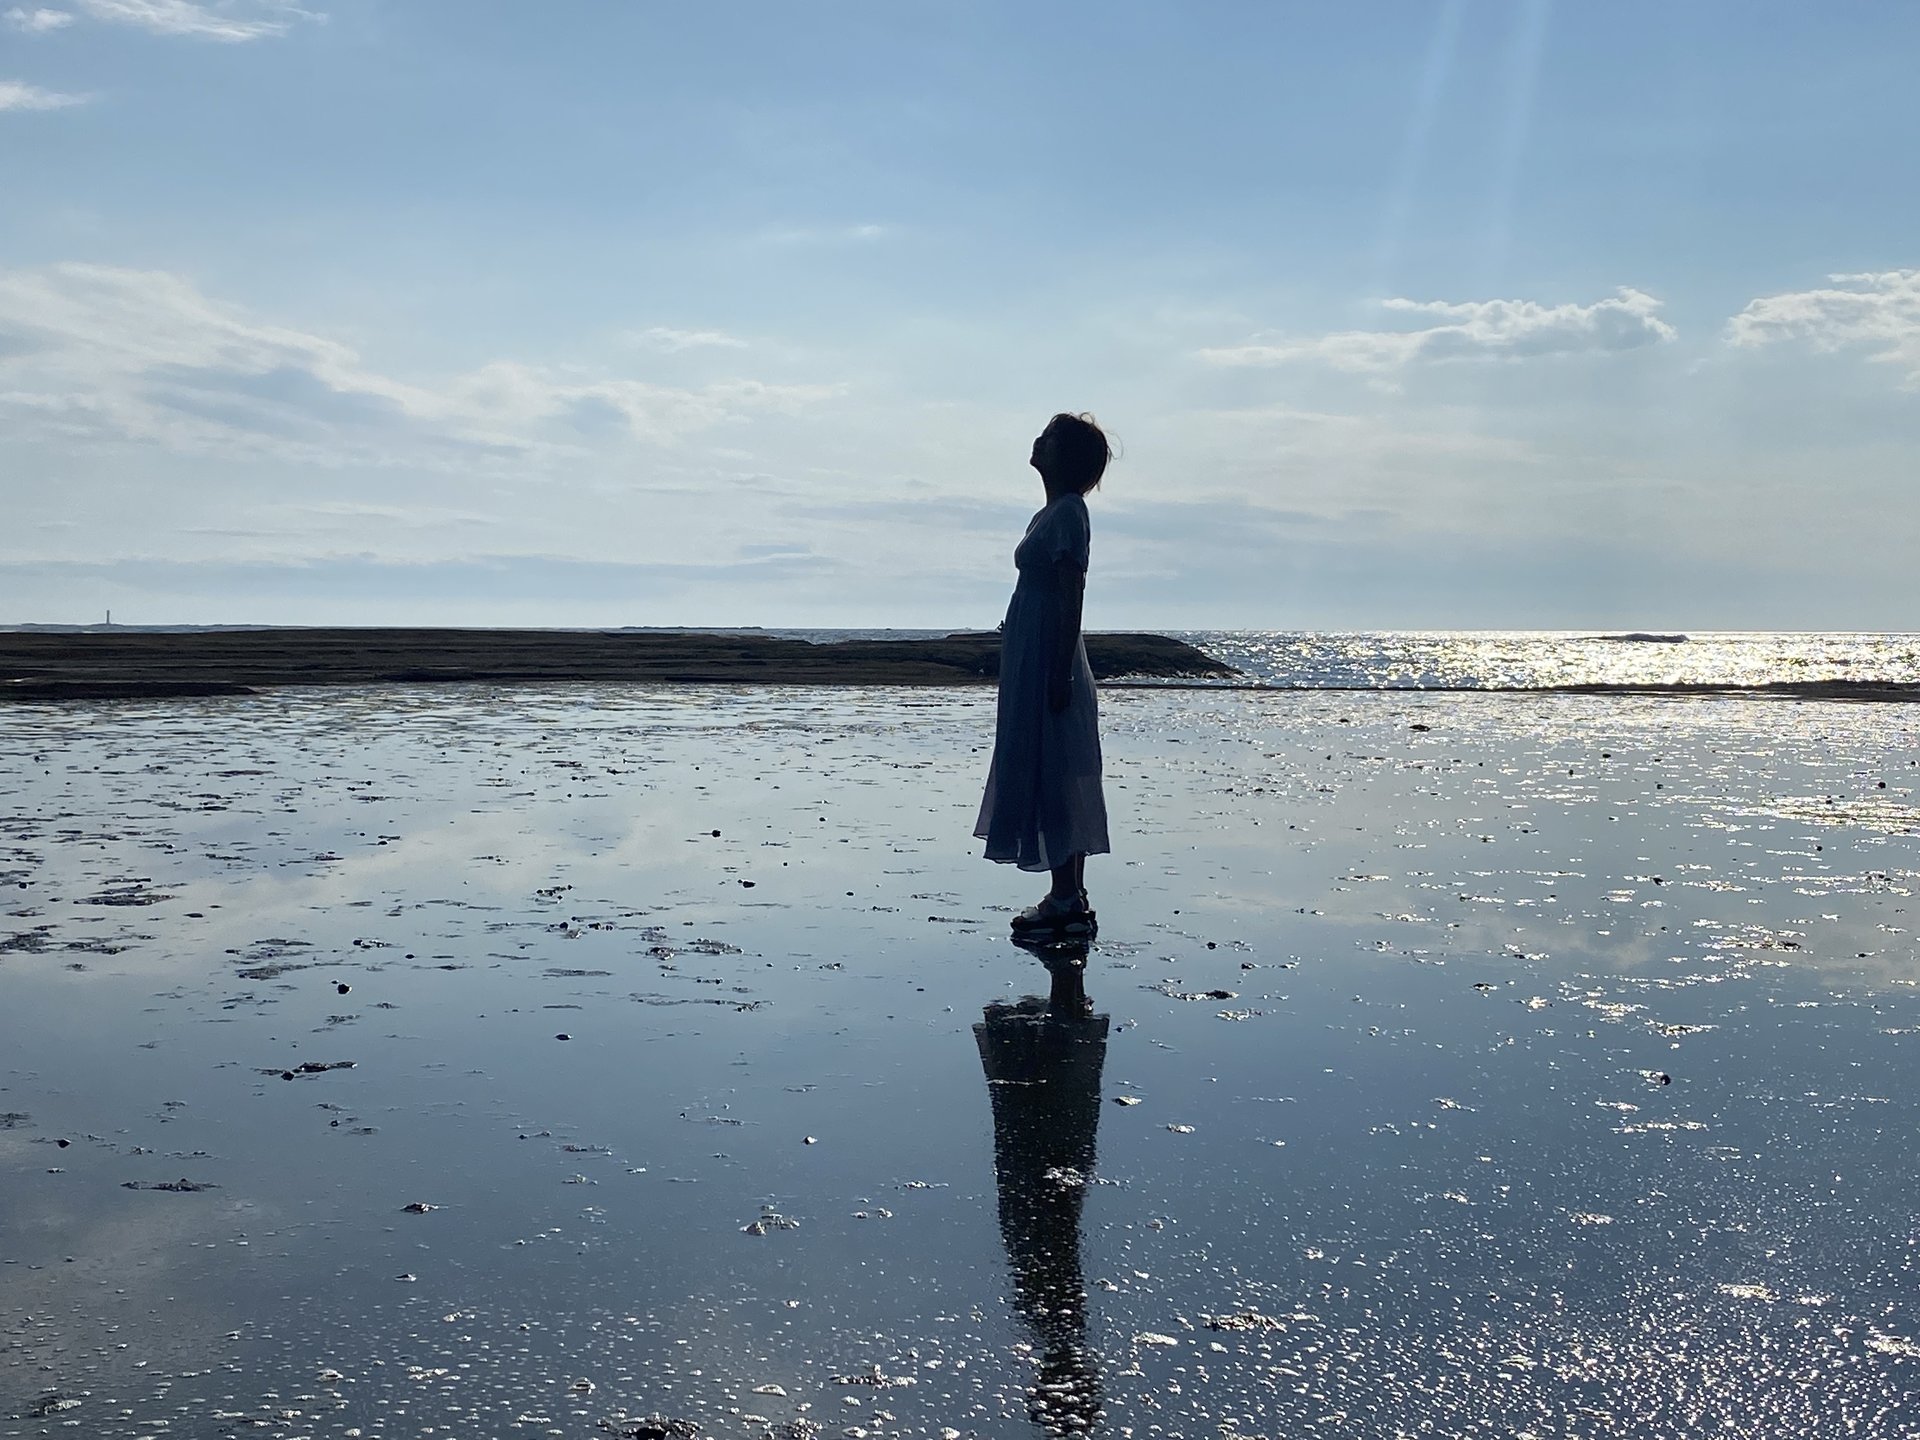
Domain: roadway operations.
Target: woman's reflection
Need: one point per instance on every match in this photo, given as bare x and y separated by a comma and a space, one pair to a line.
1043, 1060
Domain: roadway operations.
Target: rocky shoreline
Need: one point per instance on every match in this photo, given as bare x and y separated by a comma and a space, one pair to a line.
94, 665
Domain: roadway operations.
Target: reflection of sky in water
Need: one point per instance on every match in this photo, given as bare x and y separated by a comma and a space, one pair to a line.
1432, 1176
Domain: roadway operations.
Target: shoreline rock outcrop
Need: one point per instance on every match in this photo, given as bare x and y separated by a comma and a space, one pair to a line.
141, 664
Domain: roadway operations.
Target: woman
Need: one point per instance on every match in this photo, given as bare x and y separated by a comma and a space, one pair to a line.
1044, 810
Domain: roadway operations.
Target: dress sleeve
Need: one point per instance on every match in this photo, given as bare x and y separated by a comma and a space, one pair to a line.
1070, 535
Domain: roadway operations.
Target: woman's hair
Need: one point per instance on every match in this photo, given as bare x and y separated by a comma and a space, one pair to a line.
1080, 450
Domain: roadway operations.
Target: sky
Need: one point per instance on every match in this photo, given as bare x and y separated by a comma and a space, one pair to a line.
1502, 314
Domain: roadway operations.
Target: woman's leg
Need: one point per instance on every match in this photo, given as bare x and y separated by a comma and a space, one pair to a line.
1069, 879
1065, 910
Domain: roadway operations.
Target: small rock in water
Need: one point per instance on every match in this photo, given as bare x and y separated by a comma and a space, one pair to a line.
177, 1187
876, 1377
769, 1221
418, 1207
651, 1427
313, 1067
1243, 1320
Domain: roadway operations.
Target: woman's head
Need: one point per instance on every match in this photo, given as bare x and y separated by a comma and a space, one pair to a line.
1071, 453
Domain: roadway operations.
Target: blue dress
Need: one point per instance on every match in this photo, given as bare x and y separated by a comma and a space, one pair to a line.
1044, 803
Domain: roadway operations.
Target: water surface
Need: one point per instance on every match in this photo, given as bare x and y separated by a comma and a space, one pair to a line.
1471, 1065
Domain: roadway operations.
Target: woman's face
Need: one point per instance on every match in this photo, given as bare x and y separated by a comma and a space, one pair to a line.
1042, 450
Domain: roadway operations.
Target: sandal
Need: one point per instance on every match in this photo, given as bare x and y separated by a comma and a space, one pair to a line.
1057, 917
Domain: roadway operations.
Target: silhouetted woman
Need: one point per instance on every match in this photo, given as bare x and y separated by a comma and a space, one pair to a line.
1044, 809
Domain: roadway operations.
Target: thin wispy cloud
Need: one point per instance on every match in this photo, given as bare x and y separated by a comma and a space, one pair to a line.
861, 234
413, 516
39, 21
227, 21
670, 340
18, 95
1876, 312
1469, 330
1319, 439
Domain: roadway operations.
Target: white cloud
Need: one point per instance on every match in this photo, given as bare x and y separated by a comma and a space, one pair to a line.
1469, 330
96, 353
663, 337
38, 22
229, 21
1878, 311
18, 95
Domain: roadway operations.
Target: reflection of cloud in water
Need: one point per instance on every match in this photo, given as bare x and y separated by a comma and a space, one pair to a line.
141, 1288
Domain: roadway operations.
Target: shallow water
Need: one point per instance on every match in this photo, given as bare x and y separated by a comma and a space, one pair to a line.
1478, 659
1418, 1172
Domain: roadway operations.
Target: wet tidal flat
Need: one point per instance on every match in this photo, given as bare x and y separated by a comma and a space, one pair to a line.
652, 1061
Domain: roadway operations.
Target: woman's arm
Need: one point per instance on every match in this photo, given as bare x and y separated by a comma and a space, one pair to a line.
1066, 638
